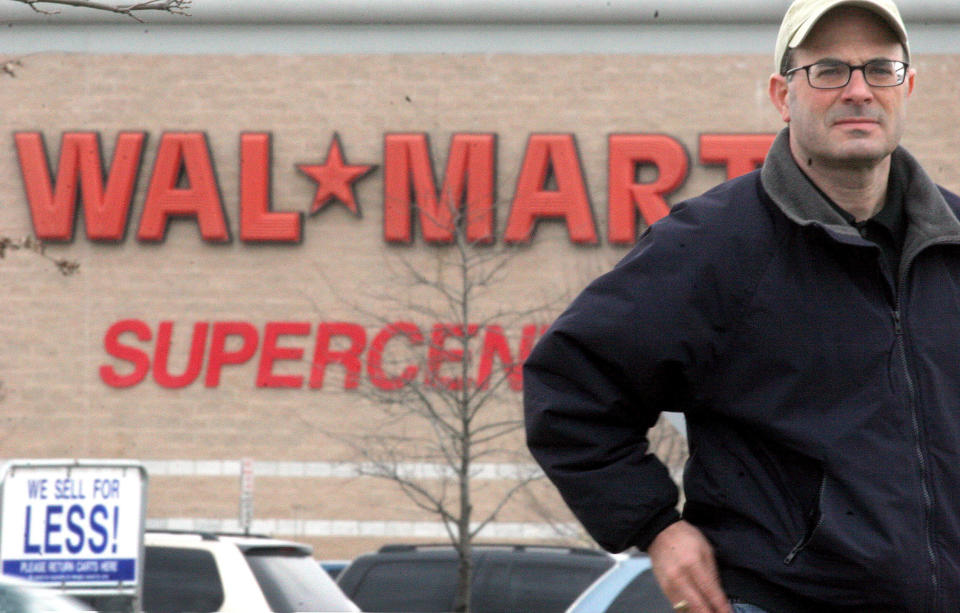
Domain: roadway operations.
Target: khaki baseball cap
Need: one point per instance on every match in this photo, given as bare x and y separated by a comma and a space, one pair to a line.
804, 14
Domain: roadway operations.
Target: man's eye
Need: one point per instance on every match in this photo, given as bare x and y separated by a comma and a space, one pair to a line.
880, 70
827, 71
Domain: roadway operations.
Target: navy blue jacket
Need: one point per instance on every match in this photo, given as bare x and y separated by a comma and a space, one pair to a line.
822, 398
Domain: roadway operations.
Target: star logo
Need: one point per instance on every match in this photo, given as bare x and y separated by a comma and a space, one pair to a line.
334, 179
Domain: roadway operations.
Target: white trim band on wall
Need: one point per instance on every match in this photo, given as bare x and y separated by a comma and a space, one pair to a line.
301, 528
331, 470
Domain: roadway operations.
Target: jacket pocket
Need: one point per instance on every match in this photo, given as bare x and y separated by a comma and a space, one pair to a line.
813, 519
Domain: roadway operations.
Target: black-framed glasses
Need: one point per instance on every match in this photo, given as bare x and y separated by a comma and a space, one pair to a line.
832, 74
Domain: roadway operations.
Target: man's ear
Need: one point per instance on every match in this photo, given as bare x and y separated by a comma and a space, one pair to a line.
911, 80
778, 95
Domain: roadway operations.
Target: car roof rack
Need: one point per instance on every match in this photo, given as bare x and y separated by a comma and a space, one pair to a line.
205, 535
520, 547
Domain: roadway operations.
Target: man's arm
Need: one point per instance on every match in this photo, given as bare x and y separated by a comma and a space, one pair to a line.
638, 341
627, 348
593, 446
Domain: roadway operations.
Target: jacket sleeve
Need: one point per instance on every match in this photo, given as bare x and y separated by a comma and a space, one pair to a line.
626, 349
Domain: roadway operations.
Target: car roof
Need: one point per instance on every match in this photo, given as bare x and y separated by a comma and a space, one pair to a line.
245, 542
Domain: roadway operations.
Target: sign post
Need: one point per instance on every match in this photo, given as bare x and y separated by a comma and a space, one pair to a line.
246, 494
75, 524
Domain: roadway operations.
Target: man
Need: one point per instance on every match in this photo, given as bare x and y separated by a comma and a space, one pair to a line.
806, 319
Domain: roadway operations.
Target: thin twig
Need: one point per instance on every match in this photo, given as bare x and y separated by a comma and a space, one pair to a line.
174, 7
29, 243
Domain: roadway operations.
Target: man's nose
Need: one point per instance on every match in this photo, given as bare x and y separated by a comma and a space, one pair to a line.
858, 88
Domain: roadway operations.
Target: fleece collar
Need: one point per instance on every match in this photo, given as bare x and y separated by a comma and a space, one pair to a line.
929, 217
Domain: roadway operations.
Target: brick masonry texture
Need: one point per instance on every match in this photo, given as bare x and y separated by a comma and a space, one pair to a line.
52, 327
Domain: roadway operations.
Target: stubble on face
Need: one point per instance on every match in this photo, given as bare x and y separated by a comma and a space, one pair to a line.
850, 135
855, 126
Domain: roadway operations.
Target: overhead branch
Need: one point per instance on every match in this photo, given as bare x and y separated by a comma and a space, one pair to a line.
29, 243
175, 7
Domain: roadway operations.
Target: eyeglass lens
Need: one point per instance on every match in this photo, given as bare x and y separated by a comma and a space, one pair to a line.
879, 73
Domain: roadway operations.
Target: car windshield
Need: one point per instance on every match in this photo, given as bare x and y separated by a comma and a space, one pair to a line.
292, 581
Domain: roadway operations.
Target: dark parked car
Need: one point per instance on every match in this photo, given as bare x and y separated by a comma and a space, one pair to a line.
507, 578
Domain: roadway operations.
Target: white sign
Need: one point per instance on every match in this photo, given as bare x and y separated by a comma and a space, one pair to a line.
73, 522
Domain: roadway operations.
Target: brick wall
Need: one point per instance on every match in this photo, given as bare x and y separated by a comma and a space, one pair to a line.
52, 327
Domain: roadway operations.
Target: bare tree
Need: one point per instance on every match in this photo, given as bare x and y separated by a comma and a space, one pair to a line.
436, 427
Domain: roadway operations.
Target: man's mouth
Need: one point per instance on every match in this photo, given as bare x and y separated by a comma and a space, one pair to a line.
857, 122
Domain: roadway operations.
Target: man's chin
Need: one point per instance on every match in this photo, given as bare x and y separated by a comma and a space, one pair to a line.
862, 153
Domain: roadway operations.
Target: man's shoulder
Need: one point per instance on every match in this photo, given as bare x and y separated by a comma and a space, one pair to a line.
736, 206
953, 200
732, 222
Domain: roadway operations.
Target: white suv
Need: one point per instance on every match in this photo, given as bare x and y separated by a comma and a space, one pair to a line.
217, 572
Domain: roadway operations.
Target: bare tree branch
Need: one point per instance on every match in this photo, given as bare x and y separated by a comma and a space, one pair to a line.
502, 503
31, 244
175, 7
9, 67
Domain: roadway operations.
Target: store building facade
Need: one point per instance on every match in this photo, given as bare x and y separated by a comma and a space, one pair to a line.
243, 192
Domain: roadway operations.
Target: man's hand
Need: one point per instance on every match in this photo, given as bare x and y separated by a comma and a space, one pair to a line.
686, 569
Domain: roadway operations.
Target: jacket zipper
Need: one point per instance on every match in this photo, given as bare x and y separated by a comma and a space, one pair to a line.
918, 435
901, 344
811, 529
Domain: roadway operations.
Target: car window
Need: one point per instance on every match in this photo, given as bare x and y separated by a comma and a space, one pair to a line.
292, 581
178, 579
333, 567
426, 586
641, 594
536, 585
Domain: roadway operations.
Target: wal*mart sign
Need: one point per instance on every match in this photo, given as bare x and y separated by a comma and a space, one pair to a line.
73, 522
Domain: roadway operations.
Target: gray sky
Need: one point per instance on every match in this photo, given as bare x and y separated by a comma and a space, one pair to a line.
447, 26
